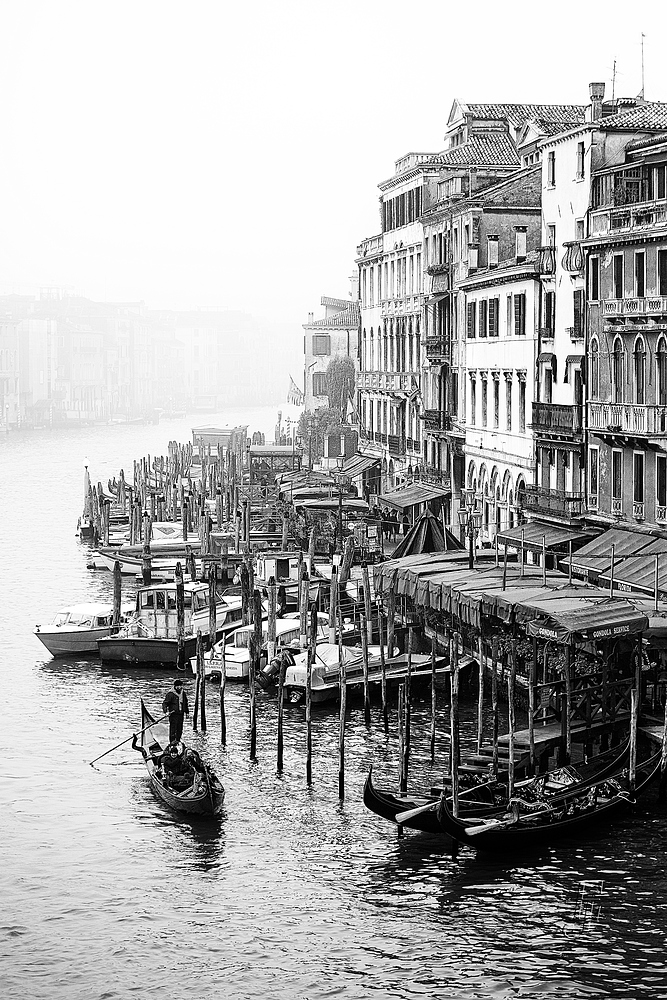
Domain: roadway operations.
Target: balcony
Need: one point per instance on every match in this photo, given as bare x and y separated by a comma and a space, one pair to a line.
435, 420
399, 382
654, 305
396, 445
437, 348
554, 503
555, 418
429, 474
627, 418
371, 247
573, 258
640, 217
546, 262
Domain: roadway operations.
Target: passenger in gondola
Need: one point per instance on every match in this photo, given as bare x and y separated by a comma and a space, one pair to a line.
176, 771
176, 705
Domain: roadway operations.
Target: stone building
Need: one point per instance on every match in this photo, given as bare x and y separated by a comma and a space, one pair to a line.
335, 335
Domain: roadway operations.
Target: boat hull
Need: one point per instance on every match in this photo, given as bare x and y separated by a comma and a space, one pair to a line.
73, 643
140, 651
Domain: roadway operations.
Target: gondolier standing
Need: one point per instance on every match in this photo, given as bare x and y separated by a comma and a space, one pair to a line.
176, 704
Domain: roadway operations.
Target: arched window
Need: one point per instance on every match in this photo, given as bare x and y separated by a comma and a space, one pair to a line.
371, 353
661, 365
364, 352
617, 370
594, 365
639, 370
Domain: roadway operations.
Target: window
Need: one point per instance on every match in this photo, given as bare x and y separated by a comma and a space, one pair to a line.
522, 406
580, 161
547, 383
661, 365
549, 313
494, 311
639, 365
455, 393
473, 401
472, 318
662, 272
520, 315
485, 394
616, 475
594, 278
578, 327
509, 316
322, 343
640, 274
482, 317
496, 402
618, 276
319, 384
638, 477
617, 371
551, 169
594, 366
492, 251
551, 236
593, 458
661, 487
579, 229
508, 402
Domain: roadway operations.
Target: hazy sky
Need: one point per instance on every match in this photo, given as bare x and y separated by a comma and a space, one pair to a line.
227, 154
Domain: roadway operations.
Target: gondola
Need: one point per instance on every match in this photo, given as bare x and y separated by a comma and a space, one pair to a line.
203, 797
582, 806
490, 798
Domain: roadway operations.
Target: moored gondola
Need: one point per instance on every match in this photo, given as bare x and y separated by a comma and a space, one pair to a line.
479, 800
584, 805
198, 792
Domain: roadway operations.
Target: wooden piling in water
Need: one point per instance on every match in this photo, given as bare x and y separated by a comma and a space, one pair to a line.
341, 721
146, 562
304, 588
254, 659
200, 664
333, 599
310, 660
311, 551
511, 689
271, 625
117, 591
391, 615
285, 535
180, 617
365, 577
532, 681
454, 722
281, 711
184, 515
433, 701
408, 708
383, 671
480, 693
402, 778
223, 684
494, 702
364, 657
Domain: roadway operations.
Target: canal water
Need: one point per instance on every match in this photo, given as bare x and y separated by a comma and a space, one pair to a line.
105, 894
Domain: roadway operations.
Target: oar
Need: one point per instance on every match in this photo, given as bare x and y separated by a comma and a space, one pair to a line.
403, 817
123, 742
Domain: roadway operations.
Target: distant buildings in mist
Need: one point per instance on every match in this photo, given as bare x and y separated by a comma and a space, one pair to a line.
69, 360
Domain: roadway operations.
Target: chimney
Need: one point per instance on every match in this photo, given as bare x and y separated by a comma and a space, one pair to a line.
596, 93
311, 316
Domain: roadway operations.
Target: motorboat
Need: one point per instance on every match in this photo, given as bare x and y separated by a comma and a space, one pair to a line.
75, 630
284, 568
150, 637
236, 653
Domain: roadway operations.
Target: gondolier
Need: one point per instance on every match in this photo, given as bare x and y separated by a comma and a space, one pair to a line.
176, 704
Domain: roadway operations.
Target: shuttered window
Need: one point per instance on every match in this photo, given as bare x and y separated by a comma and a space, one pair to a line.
520, 315
319, 384
472, 318
578, 314
321, 344
494, 311
482, 317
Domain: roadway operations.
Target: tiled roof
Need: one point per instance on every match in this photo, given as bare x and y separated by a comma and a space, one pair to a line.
517, 114
497, 149
345, 319
649, 116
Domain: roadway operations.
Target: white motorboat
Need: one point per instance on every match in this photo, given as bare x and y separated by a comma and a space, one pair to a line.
236, 653
75, 630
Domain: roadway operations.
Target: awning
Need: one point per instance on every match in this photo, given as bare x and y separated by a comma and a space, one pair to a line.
545, 358
601, 620
556, 537
594, 559
414, 494
358, 464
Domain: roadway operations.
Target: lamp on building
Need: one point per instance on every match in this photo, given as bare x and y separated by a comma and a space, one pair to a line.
470, 518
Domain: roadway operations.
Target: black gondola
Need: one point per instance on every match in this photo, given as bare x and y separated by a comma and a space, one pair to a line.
524, 822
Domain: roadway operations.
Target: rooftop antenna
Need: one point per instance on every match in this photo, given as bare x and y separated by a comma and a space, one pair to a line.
613, 82
642, 90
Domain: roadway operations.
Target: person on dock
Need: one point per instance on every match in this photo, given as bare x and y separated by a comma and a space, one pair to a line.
176, 704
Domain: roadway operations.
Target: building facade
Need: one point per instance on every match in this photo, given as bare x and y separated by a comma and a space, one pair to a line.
335, 335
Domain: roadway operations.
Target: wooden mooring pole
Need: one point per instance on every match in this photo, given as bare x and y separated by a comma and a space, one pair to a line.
433, 700
383, 670
494, 702
200, 662
341, 729
454, 722
364, 656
